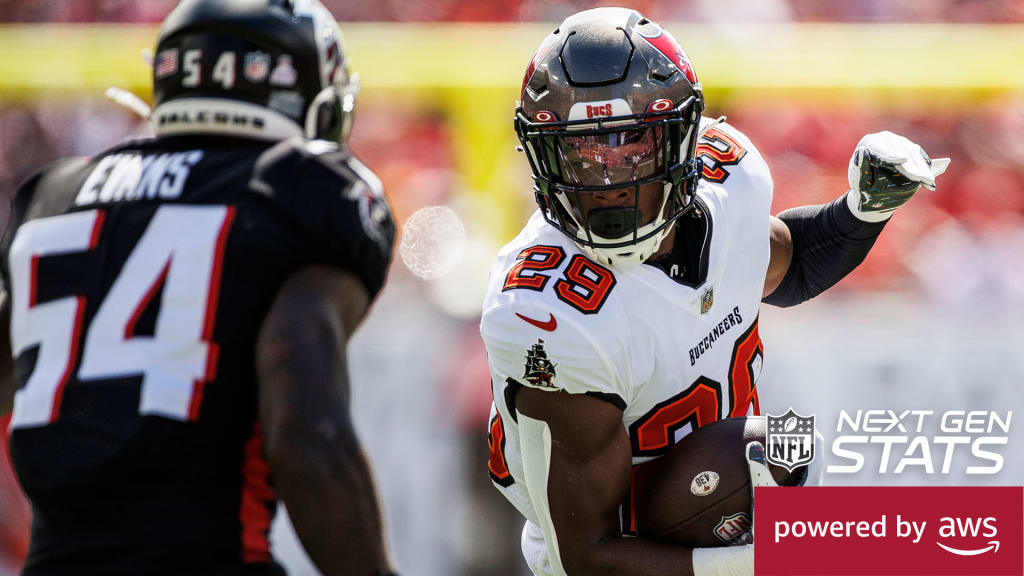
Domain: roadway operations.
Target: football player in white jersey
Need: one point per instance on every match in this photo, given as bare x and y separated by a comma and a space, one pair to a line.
625, 314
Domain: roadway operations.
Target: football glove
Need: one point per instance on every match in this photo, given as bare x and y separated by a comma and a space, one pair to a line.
885, 171
724, 561
760, 475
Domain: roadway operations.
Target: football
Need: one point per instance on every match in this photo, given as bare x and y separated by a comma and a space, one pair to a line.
698, 493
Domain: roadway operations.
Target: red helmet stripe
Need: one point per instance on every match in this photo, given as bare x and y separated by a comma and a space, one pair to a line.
539, 55
668, 46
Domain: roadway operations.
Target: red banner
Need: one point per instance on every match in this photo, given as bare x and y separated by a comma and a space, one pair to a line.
865, 531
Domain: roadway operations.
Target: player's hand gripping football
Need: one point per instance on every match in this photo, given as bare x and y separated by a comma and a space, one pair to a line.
736, 560
885, 171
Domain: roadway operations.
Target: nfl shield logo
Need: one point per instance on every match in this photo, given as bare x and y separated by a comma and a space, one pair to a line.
733, 529
790, 440
257, 67
707, 300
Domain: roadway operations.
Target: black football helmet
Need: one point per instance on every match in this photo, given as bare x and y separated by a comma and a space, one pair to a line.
610, 101
261, 68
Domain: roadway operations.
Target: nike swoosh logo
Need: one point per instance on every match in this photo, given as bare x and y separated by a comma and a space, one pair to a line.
549, 326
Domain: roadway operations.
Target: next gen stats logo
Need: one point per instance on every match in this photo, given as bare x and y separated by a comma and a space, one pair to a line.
921, 440
946, 530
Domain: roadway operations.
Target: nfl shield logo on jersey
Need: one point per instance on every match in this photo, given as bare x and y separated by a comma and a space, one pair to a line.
707, 300
790, 440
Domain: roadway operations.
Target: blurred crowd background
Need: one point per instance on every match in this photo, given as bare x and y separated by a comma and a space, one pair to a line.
552, 10
932, 320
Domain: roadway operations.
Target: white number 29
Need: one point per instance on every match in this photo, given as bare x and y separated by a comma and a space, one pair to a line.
182, 250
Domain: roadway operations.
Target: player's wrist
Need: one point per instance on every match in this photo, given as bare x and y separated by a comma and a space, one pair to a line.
850, 223
853, 203
725, 561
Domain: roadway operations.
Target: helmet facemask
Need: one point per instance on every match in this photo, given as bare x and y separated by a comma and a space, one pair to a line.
574, 160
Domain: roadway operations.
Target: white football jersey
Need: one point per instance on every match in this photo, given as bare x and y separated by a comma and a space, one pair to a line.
673, 357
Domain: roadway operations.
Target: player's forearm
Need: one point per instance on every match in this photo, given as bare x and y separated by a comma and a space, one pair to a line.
7, 383
328, 489
6, 398
828, 242
316, 461
7, 376
618, 556
321, 475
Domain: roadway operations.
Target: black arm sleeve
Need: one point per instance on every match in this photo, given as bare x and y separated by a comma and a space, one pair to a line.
828, 243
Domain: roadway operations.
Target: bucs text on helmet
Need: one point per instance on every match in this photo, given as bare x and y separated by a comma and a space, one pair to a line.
269, 69
610, 102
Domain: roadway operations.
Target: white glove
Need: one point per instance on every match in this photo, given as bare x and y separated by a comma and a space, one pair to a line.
725, 561
760, 475
816, 469
885, 171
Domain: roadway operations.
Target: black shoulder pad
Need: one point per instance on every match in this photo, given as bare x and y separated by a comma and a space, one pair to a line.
336, 201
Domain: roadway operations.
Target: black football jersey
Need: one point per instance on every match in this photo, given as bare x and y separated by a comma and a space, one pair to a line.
139, 279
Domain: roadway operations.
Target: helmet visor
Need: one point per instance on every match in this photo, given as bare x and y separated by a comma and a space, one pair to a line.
609, 157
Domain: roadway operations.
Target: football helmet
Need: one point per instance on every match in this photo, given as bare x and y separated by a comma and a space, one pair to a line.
269, 69
611, 102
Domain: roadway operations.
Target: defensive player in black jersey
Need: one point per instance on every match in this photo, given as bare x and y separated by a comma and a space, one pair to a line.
179, 309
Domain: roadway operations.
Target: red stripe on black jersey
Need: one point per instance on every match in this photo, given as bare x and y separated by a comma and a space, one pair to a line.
97, 227
258, 500
33, 280
213, 351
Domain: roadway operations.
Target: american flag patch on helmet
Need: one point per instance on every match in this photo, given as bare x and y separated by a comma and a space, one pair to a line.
166, 63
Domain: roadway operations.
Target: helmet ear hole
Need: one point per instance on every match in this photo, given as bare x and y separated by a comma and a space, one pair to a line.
325, 117
331, 113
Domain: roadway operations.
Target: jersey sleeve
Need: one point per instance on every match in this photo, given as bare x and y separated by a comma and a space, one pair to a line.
338, 206
732, 159
18, 206
564, 357
15, 212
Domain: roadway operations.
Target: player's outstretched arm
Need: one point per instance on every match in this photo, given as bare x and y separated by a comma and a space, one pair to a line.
814, 247
576, 446
318, 466
7, 384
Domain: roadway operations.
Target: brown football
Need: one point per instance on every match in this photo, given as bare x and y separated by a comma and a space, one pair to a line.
698, 493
